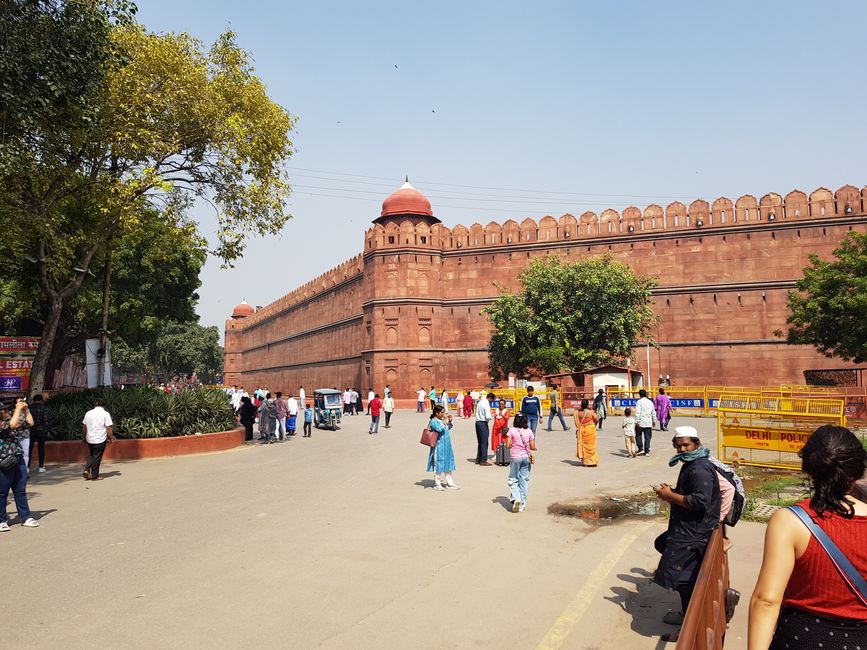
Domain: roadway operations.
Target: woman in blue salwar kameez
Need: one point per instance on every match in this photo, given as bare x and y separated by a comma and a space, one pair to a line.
441, 460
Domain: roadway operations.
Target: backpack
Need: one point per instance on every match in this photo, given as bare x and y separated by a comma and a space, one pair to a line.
740, 497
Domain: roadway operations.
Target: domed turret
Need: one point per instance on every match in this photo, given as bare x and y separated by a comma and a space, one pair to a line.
407, 202
243, 310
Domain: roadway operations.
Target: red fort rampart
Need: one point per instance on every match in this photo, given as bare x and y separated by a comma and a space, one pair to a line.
407, 311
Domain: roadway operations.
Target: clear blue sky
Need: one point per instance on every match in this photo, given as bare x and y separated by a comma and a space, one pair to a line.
568, 106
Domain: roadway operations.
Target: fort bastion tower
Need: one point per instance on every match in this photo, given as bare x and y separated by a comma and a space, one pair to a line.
407, 310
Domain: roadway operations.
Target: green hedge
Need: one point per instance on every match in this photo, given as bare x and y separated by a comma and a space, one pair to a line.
142, 412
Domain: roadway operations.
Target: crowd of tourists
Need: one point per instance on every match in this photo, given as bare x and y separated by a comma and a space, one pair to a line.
810, 590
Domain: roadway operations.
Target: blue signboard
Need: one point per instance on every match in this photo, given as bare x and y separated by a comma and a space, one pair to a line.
713, 402
688, 403
10, 383
620, 402
510, 404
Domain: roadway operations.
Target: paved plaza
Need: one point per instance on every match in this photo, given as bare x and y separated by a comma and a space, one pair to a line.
339, 541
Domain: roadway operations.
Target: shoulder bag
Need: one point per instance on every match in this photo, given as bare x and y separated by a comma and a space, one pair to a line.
844, 567
429, 437
10, 462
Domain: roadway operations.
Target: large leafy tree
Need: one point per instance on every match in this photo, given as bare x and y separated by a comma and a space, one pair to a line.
175, 350
155, 118
829, 308
569, 316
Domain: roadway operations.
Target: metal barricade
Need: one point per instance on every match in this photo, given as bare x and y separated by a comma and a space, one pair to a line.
769, 431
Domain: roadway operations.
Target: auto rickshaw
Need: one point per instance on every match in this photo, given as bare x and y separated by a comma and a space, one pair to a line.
327, 407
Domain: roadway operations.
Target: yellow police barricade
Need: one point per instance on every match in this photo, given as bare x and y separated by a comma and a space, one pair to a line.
713, 394
769, 431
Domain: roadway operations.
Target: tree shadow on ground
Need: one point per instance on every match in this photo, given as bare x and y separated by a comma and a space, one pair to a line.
647, 603
506, 502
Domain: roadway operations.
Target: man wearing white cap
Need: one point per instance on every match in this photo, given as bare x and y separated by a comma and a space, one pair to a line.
695, 509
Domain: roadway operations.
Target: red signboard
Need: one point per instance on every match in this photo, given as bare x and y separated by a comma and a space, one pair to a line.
16, 360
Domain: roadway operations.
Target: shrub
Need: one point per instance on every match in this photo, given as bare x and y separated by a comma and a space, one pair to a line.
142, 412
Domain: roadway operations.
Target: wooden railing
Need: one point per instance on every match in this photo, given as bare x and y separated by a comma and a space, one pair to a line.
704, 626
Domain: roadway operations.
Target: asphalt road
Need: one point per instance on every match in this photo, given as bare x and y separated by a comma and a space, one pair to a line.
339, 541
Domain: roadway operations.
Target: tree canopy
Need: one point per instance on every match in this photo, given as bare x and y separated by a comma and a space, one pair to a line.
569, 316
102, 119
829, 308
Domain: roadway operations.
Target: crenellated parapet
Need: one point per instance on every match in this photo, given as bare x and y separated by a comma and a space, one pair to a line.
347, 270
676, 216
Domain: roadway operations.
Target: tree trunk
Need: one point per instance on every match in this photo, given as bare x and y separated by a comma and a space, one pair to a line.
103, 330
46, 344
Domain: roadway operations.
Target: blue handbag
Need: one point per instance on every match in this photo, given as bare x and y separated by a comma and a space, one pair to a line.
844, 567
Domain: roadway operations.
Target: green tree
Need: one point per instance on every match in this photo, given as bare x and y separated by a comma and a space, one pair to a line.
829, 308
176, 350
159, 119
569, 316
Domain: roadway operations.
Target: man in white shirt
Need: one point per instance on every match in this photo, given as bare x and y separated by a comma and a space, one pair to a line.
370, 396
483, 428
302, 397
422, 395
645, 414
97, 432
292, 410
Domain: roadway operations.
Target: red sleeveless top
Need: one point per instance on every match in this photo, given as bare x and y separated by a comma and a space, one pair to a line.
815, 585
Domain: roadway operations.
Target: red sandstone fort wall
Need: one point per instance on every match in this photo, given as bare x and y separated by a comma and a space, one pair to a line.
408, 312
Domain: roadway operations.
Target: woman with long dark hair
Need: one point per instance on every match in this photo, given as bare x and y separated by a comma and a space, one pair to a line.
585, 434
821, 608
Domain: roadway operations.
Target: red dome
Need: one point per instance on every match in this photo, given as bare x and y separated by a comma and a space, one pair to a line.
407, 200
243, 310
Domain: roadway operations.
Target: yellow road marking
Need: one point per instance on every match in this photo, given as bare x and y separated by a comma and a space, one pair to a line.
561, 628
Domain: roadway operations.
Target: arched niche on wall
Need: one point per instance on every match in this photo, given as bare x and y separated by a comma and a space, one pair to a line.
796, 205
722, 211
653, 217
747, 209
822, 203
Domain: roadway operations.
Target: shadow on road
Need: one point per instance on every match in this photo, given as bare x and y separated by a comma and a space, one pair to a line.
574, 463
647, 604
426, 483
503, 501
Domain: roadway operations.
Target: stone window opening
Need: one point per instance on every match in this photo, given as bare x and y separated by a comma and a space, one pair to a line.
423, 239
722, 216
822, 211
747, 214
391, 239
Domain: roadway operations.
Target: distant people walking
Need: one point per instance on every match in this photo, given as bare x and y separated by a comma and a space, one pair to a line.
247, 416
291, 415
14, 477
820, 609
39, 430
375, 408
302, 397
644, 413
370, 396
355, 402
585, 434
308, 421
419, 407
695, 506
432, 396
483, 430
662, 405
441, 459
531, 407
347, 402
501, 425
600, 407
629, 424
521, 441
556, 409
468, 404
97, 430
388, 409
444, 400
267, 418
282, 409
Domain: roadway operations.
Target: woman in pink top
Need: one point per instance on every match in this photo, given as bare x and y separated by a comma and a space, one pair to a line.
520, 441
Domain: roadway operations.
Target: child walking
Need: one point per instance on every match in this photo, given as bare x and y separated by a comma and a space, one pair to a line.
629, 423
308, 420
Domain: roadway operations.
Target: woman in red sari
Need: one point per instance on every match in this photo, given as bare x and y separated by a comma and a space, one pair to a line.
501, 427
468, 404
